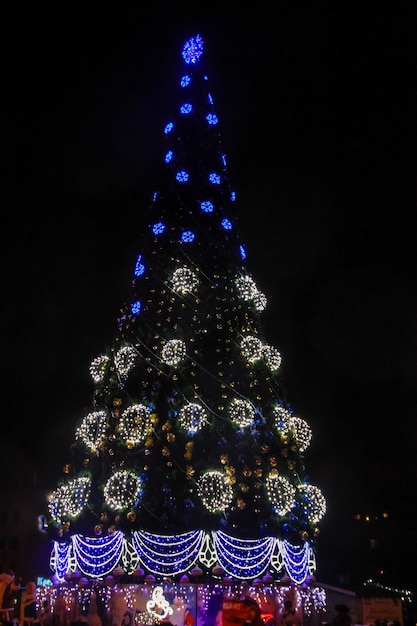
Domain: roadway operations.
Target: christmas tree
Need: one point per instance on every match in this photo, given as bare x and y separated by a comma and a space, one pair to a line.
189, 461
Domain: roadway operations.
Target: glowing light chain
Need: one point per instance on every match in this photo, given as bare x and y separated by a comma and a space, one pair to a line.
296, 560
168, 555
242, 559
97, 555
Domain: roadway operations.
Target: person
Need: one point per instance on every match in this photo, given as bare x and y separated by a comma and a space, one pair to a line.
342, 617
289, 614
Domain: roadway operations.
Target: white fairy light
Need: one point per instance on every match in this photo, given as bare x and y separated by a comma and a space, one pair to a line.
272, 357
125, 360
69, 500
280, 494
312, 501
92, 430
192, 418
302, 432
214, 491
248, 291
282, 418
174, 352
122, 490
184, 280
251, 348
98, 368
135, 424
241, 412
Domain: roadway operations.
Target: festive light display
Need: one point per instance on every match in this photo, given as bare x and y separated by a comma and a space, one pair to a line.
189, 466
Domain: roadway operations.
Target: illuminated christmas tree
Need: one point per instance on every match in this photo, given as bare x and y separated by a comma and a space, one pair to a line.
189, 462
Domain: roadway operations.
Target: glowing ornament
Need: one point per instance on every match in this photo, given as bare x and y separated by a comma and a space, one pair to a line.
251, 348
99, 367
192, 418
280, 493
92, 430
174, 352
125, 360
122, 490
312, 502
135, 424
69, 500
184, 280
214, 491
241, 412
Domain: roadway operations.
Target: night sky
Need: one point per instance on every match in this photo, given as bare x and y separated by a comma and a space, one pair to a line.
317, 108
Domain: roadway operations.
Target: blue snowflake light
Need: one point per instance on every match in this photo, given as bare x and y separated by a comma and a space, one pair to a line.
168, 156
186, 108
185, 81
158, 228
214, 178
242, 252
193, 49
168, 128
182, 176
187, 236
212, 119
135, 308
226, 224
206, 206
139, 267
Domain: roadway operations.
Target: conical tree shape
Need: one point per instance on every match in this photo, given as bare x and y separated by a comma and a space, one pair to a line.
187, 435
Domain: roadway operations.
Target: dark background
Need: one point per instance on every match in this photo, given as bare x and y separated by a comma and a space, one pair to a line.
317, 105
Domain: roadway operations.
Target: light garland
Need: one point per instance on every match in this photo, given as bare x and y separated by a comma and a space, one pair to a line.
170, 555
